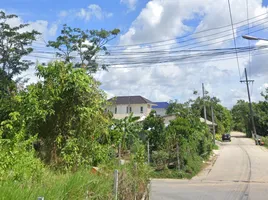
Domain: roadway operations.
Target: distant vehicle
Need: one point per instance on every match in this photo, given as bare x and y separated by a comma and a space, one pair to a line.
226, 136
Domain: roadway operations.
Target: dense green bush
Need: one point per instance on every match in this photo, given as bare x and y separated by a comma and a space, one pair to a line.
160, 159
17, 156
194, 141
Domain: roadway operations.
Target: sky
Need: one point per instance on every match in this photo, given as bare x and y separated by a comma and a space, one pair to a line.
146, 21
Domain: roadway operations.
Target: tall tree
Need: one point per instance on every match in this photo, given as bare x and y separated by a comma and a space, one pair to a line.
14, 45
81, 47
154, 126
240, 114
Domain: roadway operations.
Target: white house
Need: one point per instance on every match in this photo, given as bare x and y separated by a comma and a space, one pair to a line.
122, 106
160, 108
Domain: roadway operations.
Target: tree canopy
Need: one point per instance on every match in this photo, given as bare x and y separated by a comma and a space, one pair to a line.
81, 47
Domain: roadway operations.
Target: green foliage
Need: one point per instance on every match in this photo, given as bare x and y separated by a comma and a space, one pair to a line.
125, 132
240, 114
138, 151
261, 118
265, 140
194, 141
154, 129
17, 156
160, 159
78, 185
14, 44
178, 108
66, 109
86, 44
218, 137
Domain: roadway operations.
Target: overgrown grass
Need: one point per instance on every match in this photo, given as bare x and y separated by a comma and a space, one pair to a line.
218, 137
265, 140
77, 185
215, 147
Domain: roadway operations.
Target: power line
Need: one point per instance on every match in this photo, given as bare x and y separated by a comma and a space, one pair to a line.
141, 65
220, 39
175, 56
231, 17
249, 60
176, 38
196, 33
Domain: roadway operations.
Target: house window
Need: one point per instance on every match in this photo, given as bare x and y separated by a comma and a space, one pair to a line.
115, 110
141, 109
129, 110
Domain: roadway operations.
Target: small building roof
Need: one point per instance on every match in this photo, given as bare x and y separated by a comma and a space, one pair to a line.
130, 100
207, 122
160, 105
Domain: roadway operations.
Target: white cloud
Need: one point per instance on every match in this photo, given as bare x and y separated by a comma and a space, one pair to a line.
63, 13
53, 29
92, 11
162, 20
131, 4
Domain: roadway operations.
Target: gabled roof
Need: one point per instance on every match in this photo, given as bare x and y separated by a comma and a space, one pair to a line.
130, 100
160, 105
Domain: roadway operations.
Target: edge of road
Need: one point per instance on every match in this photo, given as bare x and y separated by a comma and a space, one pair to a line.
207, 167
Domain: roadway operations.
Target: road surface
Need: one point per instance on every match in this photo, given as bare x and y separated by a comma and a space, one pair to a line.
240, 172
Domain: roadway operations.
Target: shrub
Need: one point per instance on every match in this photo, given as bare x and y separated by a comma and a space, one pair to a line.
17, 156
160, 159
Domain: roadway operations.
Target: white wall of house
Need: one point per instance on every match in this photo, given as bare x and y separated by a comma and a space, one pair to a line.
160, 111
121, 110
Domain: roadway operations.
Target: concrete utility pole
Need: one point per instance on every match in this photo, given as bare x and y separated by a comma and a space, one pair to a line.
250, 105
178, 155
148, 151
213, 124
205, 110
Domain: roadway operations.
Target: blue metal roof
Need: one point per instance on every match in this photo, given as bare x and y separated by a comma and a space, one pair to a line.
160, 105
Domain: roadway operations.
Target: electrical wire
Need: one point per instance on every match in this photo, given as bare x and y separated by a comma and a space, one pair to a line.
231, 17
176, 38
249, 59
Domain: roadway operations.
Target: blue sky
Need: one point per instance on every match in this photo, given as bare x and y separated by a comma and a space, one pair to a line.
156, 20
31, 10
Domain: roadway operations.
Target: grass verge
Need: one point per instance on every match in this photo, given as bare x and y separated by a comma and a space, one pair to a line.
74, 186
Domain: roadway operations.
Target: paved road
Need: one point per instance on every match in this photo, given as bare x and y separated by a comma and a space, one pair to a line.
240, 172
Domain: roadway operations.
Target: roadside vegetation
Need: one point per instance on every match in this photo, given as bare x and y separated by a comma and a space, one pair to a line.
53, 132
241, 116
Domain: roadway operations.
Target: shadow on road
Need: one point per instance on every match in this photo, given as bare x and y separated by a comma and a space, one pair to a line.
239, 136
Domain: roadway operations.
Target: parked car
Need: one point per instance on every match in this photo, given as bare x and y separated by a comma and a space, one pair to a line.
226, 136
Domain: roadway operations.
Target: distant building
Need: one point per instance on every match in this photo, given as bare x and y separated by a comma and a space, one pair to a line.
160, 108
169, 118
122, 106
209, 123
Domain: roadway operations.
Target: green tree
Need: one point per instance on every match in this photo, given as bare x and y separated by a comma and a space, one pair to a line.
222, 115
154, 128
240, 115
14, 45
66, 110
125, 132
194, 140
81, 47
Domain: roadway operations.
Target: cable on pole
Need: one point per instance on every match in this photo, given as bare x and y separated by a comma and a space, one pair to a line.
231, 17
